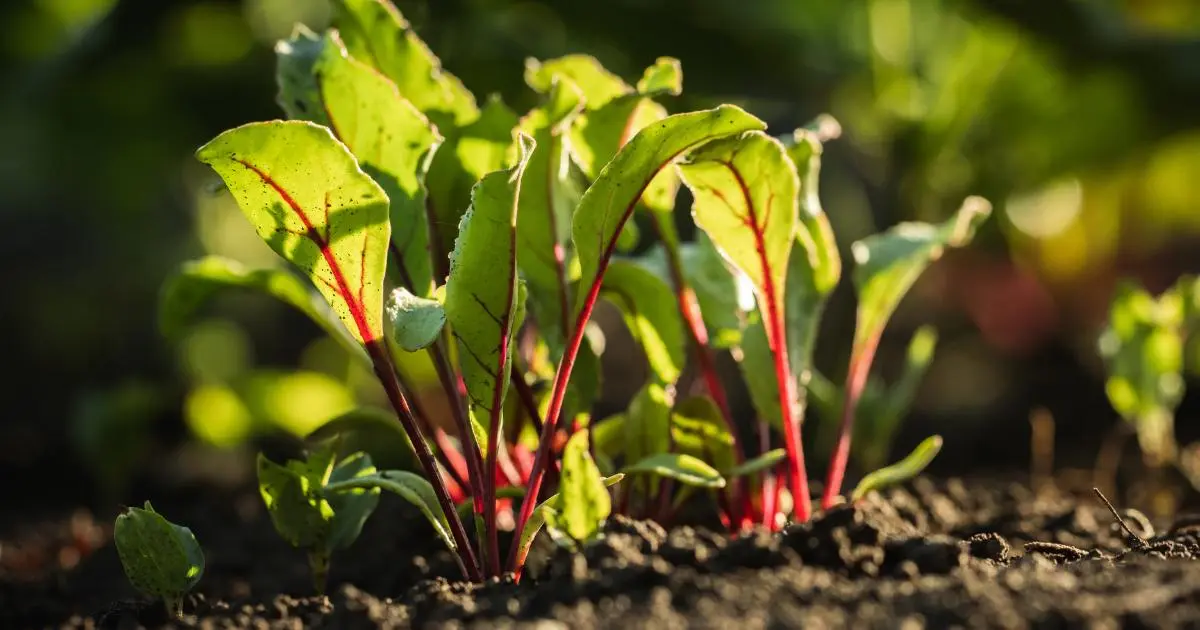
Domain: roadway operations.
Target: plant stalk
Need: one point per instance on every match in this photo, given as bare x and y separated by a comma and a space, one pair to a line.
856, 381
698, 336
386, 373
456, 395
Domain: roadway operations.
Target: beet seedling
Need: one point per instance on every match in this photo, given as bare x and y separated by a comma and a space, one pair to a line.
161, 559
1142, 347
312, 507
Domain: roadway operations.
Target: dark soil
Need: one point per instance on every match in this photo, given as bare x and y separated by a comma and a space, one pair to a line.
933, 554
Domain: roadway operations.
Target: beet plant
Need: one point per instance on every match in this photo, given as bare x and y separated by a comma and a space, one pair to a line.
422, 223
161, 559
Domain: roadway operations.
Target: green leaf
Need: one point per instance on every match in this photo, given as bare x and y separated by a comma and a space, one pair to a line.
1142, 347
769, 459
409, 486
377, 34
651, 314
745, 189
351, 509
160, 559
680, 467
597, 85
293, 499
584, 503
308, 199
756, 362
664, 77
299, 92
610, 200
469, 152
394, 143
415, 322
901, 471
698, 429
608, 440
367, 429
551, 506
544, 228
814, 266
647, 423
197, 281
482, 290
715, 289
888, 264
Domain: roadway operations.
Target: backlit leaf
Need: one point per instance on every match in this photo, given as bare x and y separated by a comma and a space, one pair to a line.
482, 290
584, 502
307, 198
888, 264
901, 471
651, 314
766, 460
293, 499
680, 467
351, 509
610, 200
160, 559
376, 33
551, 506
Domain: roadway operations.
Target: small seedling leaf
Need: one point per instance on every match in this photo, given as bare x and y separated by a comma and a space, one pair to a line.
647, 423
552, 505
1143, 352
307, 198
294, 500
482, 290
160, 559
680, 467
758, 464
409, 486
415, 322
610, 200
351, 508
651, 314
584, 502
901, 471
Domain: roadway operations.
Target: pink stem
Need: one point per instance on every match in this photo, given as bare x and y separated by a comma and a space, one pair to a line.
856, 381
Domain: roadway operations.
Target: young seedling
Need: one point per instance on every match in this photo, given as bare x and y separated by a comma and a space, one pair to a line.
161, 559
307, 509
1142, 347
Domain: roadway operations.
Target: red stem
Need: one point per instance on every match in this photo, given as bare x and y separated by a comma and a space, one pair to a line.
856, 380
387, 376
448, 456
698, 334
455, 395
777, 338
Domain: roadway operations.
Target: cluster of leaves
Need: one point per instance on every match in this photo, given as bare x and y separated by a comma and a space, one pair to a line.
429, 224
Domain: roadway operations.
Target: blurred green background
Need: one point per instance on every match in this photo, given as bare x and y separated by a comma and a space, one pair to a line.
1079, 120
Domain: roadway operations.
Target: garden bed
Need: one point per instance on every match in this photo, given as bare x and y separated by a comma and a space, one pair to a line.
977, 553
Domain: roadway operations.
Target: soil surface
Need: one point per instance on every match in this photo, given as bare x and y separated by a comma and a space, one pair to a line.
936, 554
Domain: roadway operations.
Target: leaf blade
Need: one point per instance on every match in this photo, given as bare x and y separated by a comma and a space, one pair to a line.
335, 228
680, 467
901, 471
